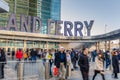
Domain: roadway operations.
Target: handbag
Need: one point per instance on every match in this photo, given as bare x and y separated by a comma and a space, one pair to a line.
55, 71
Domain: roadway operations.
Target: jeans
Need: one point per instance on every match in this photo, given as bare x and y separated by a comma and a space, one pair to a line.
50, 69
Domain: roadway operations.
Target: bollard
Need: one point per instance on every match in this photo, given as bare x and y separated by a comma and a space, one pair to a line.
20, 71
110, 67
47, 68
42, 71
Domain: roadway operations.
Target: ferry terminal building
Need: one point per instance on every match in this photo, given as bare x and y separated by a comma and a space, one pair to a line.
45, 9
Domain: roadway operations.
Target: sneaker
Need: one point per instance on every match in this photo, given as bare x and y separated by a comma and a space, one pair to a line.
2, 78
112, 75
115, 77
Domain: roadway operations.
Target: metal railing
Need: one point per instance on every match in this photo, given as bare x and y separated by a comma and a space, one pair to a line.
24, 70
27, 70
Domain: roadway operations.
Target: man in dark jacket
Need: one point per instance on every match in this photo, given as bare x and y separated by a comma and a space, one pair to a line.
2, 62
60, 62
84, 64
115, 64
33, 54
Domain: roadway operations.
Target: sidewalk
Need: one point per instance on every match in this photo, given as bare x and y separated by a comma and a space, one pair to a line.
76, 74
10, 74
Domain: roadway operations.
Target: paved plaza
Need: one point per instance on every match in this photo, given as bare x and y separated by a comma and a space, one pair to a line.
10, 74
76, 74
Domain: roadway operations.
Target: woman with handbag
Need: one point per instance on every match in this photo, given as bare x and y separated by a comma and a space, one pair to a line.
99, 66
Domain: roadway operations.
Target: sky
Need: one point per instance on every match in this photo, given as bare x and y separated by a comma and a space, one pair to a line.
105, 13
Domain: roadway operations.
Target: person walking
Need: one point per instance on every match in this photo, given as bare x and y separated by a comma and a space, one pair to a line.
60, 63
115, 64
25, 55
107, 60
49, 58
39, 54
68, 67
33, 55
13, 54
44, 56
84, 64
19, 55
94, 53
73, 58
2, 62
99, 66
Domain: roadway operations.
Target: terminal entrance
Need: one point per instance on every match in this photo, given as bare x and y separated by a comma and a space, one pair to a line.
9, 45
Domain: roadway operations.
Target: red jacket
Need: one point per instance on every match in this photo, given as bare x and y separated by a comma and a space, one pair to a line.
19, 54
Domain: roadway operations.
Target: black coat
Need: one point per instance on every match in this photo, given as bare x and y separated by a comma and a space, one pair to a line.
115, 64
2, 57
83, 63
57, 60
33, 53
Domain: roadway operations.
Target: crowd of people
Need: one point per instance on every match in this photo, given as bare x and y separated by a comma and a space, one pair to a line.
68, 60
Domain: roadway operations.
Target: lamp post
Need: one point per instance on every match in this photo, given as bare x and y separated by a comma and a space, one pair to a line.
105, 38
105, 28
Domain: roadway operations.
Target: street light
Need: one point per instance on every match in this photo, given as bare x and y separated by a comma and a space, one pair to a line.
105, 38
105, 28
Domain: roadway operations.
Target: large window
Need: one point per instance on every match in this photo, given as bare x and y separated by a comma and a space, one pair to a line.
2, 42
15, 43
29, 44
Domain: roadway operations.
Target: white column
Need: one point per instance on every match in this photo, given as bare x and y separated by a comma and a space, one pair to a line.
105, 45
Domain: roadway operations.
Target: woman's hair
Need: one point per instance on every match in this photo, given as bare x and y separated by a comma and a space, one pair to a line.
83, 48
113, 52
100, 53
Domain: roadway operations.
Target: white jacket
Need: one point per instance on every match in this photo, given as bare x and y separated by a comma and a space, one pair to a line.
68, 58
99, 64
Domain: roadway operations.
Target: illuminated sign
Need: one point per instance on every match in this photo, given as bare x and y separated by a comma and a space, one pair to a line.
28, 24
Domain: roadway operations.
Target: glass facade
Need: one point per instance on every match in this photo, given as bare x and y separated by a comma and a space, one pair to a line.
45, 9
55, 11
45, 14
48, 9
